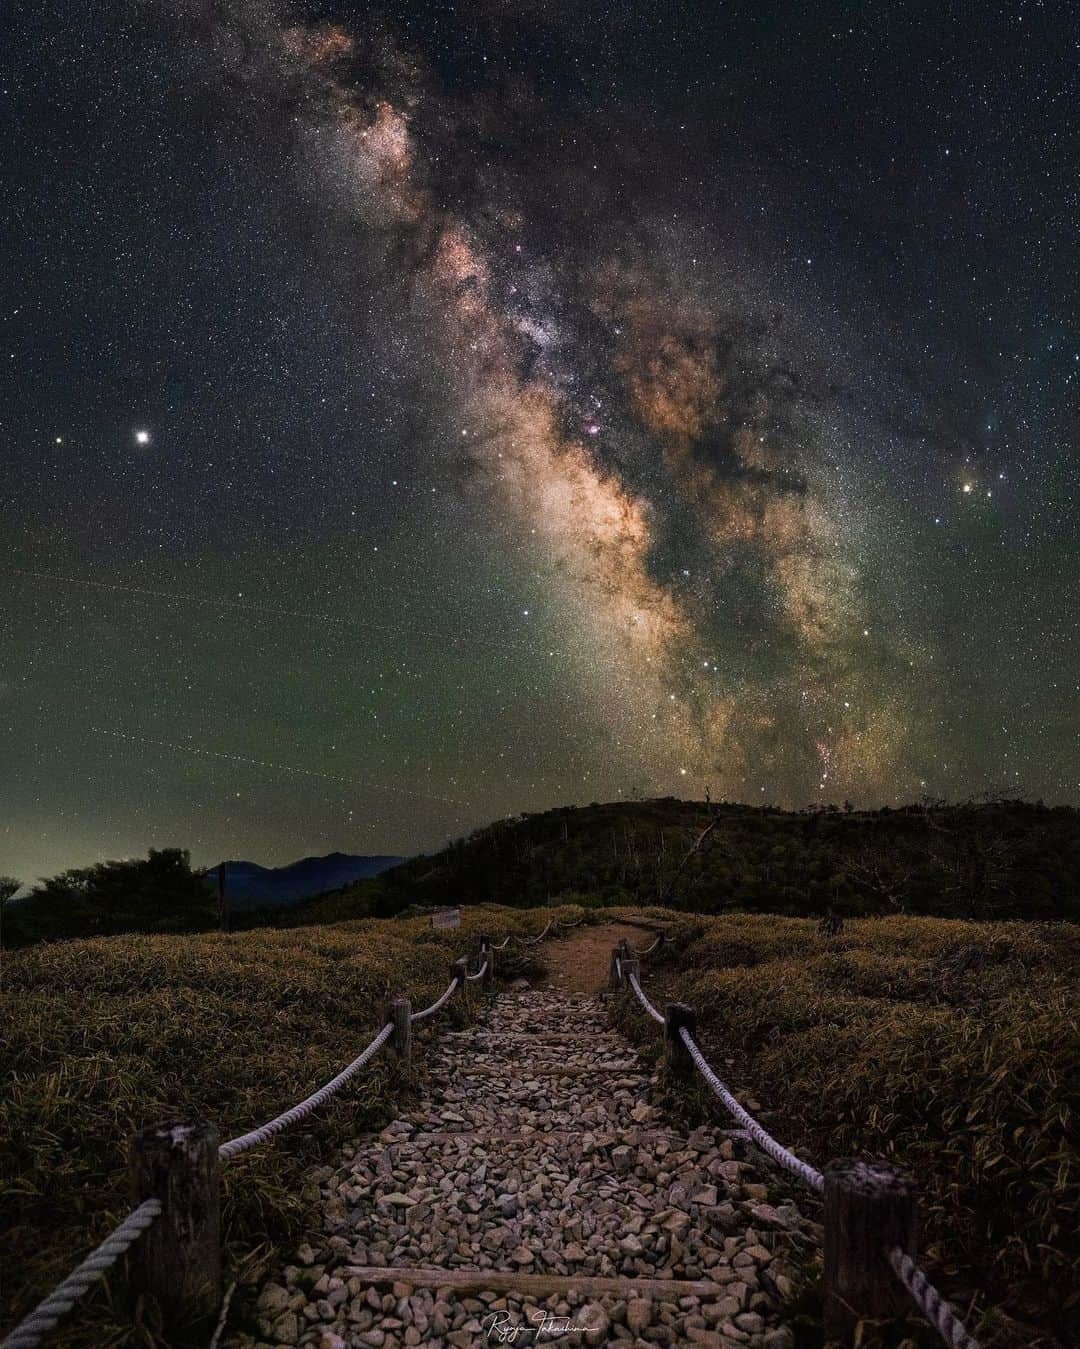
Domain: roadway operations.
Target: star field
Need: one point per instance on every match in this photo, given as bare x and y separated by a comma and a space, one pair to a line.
420, 414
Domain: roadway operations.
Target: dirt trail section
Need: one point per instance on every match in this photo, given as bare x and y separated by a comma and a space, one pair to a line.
579, 961
534, 1193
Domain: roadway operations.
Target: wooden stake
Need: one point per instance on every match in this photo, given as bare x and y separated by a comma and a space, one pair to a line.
177, 1261
676, 1054
400, 1013
459, 970
869, 1207
487, 983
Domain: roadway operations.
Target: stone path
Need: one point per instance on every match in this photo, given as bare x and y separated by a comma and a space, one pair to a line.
537, 1161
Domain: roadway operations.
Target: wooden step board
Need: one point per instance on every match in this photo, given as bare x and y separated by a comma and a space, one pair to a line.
609, 1038
539, 1285
528, 1072
602, 1137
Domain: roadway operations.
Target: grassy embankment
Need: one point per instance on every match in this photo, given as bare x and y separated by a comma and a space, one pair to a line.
951, 1047
106, 1036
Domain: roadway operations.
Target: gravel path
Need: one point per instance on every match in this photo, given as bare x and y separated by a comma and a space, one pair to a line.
536, 1150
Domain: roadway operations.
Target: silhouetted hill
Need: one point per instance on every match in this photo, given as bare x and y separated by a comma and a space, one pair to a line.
999, 859
161, 893
251, 886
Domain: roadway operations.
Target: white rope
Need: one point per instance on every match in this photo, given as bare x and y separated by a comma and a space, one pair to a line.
479, 973
532, 941
933, 1306
656, 1016
499, 946
430, 1011
577, 924
649, 949
47, 1314
765, 1141
941, 1314
235, 1146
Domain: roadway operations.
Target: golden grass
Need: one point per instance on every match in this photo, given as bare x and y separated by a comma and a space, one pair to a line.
952, 1047
109, 1035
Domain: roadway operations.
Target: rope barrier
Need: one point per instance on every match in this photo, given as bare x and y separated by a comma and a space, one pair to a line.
929, 1301
649, 949
499, 946
656, 1016
48, 1313
235, 1146
430, 1011
532, 941
940, 1313
765, 1141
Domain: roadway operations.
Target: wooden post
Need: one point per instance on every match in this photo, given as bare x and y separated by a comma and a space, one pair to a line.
614, 979
631, 965
400, 1013
177, 1261
869, 1207
459, 970
487, 983
676, 1054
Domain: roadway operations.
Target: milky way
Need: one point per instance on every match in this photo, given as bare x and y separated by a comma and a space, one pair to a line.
608, 418
503, 407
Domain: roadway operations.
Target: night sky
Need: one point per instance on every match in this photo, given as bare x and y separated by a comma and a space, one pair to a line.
412, 415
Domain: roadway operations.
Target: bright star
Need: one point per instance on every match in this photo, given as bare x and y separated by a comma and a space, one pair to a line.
142, 437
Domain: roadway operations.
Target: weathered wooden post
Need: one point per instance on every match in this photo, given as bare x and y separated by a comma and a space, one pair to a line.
459, 970
869, 1208
614, 976
631, 965
177, 1261
487, 960
400, 1013
676, 1055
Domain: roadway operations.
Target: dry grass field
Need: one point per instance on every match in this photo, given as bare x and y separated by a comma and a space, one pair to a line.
106, 1036
952, 1047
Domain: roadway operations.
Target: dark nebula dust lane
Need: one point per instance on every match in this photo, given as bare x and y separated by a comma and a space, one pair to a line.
534, 406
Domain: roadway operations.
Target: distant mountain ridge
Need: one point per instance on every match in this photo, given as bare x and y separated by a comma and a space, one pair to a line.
251, 886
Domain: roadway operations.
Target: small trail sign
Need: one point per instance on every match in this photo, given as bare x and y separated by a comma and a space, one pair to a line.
446, 918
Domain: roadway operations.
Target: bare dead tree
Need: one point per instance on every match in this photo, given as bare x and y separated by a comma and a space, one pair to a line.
883, 877
664, 892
